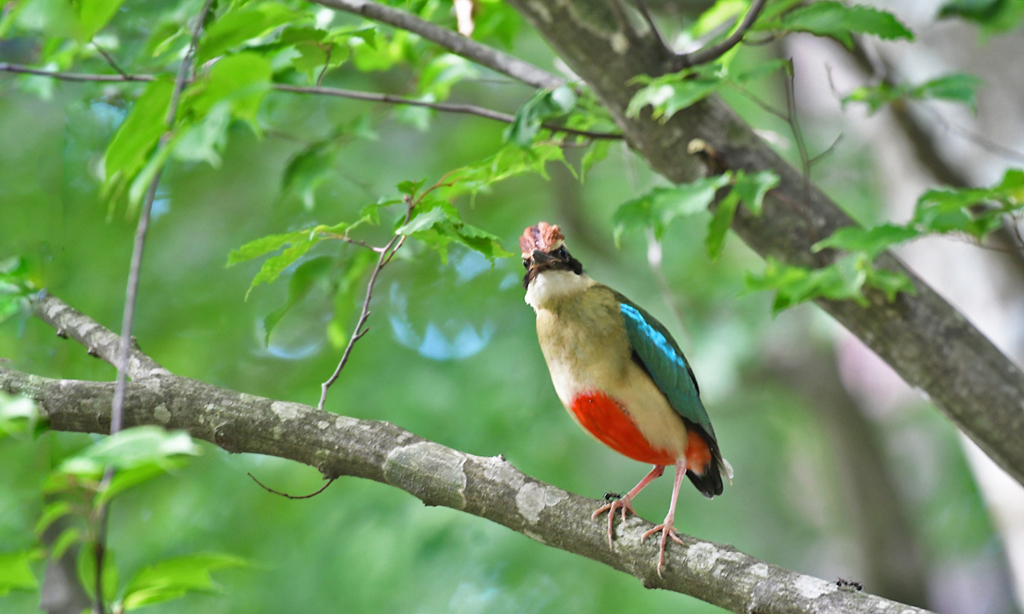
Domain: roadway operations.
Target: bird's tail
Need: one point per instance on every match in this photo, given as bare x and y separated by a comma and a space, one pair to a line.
705, 465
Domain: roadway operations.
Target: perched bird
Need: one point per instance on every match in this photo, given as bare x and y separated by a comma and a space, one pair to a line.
620, 375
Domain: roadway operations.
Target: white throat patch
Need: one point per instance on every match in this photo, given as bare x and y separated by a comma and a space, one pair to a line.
552, 286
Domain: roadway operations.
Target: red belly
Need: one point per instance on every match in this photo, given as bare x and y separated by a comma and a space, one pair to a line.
605, 419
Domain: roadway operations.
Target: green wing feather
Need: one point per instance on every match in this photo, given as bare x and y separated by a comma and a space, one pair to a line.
665, 362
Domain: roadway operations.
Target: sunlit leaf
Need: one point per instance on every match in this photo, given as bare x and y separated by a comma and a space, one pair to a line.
238, 26
67, 538
720, 223
544, 105
242, 79
439, 225
16, 571
51, 513
94, 14
841, 280
751, 189
889, 282
871, 241
129, 149
17, 414
839, 21
174, 578
657, 208
128, 449
669, 94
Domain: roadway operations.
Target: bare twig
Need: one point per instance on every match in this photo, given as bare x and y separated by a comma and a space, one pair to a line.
386, 253
446, 107
109, 59
452, 41
286, 495
712, 53
323, 71
130, 299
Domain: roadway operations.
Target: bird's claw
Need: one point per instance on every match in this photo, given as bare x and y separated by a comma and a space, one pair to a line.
667, 530
625, 504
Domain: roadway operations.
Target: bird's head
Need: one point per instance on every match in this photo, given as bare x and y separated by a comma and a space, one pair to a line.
544, 250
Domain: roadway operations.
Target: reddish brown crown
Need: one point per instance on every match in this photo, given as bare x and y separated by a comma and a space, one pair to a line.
543, 237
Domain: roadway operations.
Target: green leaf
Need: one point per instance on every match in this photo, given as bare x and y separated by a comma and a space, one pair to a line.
94, 14
174, 578
976, 211
994, 16
275, 265
411, 187
597, 152
510, 161
204, 141
669, 94
659, 207
238, 26
128, 478
544, 105
129, 149
243, 79
67, 538
443, 72
438, 225
956, 87
16, 571
890, 282
720, 223
265, 245
842, 280
51, 513
838, 21
303, 280
128, 449
871, 241
17, 414
87, 571
751, 189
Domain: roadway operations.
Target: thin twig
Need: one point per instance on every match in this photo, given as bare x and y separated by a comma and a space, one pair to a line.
129, 305
452, 41
109, 59
446, 107
327, 64
392, 246
641, 6
794, 125
284, 494
712, 53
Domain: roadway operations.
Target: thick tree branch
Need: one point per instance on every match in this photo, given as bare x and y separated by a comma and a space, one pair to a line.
488, 487
930, 344
450, 40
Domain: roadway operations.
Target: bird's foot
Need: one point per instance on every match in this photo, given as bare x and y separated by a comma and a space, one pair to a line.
667, 530
625, 504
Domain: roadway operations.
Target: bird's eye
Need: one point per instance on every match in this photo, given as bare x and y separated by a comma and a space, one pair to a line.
526, 264
562, 252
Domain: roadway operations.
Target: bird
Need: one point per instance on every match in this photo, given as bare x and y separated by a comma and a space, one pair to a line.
621, 376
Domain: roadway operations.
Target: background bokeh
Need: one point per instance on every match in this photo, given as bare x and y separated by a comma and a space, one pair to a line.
840, 470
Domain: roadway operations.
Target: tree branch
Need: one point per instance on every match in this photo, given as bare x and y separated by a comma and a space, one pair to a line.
713, 52
450, 40
488, 487
445, 107
930, 344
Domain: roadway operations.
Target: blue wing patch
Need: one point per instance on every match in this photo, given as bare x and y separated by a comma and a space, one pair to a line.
665, 363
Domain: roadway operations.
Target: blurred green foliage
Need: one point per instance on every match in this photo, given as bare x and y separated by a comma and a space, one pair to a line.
451, 354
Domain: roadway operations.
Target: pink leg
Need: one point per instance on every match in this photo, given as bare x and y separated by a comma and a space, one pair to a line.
666, 529
626, 502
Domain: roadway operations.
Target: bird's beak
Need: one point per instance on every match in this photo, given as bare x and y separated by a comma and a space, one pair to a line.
541, 261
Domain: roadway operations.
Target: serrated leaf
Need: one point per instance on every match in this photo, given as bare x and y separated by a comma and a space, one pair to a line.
841, 280
174, 578
264, 245
139, 133
871, 241
510, 161
719, 225
238, 26
838, 21
970, 210
957, 87
16, 571
669, 94
751, 189
275, 265
439, 226
661, 205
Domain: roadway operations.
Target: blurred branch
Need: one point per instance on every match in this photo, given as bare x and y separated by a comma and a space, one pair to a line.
488, 487
713, 52
450, 40
928, 342
446, 107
